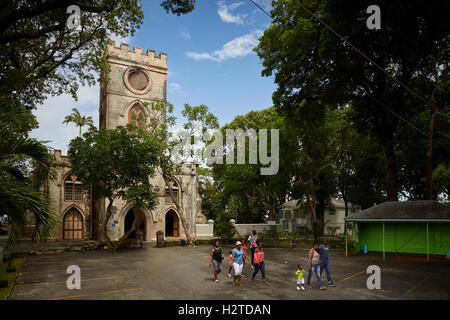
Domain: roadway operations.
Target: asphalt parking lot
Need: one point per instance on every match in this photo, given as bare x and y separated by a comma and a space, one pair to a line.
183, 273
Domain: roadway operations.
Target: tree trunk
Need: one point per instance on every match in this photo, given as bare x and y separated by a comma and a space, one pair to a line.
391, 170
346, 206
104, 233
126, 235
429, 164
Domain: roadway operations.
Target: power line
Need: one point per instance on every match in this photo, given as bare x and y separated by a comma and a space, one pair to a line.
260, 8
372, 62
401, 118
362, 54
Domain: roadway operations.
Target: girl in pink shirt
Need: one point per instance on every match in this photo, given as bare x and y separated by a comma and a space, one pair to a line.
259, 262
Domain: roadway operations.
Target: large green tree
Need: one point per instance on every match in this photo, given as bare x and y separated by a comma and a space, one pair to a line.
311, 63
117, 164
41, 56
256, 194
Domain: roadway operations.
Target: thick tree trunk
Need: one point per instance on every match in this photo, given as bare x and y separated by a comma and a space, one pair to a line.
391, 170
104, 234
346, 206
429, 164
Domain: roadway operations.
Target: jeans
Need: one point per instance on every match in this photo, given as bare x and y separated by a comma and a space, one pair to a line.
326, 265
262, 267
316, 268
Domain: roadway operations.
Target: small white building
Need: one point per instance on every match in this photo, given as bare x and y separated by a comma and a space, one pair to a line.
295, 217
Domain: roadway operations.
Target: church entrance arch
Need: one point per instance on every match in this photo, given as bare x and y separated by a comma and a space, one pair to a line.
172, 224
141, 222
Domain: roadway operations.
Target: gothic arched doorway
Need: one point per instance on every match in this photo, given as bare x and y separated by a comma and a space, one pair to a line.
73, 225
172, 224
141, 222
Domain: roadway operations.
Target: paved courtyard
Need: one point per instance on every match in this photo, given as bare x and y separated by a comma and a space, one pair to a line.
183, 273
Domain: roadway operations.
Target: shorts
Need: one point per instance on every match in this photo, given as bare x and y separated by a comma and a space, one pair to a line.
217, 265
237, 269
300, 281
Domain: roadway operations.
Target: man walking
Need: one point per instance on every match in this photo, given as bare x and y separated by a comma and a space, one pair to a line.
323, 250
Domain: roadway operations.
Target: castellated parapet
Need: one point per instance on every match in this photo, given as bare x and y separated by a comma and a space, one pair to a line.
136, 55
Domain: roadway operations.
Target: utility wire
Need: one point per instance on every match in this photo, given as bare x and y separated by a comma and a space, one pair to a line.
371, 61
362, 54
260, 8
401, 118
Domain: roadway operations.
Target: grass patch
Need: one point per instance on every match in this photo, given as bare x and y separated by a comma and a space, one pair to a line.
9, 276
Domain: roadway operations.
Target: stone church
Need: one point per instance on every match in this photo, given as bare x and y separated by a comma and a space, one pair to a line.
135, 77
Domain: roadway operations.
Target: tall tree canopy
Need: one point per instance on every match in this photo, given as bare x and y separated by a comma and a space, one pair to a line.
313, 66
41, 56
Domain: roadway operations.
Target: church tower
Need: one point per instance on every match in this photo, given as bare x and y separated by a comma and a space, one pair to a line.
135, 77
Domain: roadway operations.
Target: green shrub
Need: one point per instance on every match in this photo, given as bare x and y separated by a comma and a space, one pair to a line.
225, 230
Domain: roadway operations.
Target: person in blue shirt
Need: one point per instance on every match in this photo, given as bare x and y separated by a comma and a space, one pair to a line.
238, 263
325, 264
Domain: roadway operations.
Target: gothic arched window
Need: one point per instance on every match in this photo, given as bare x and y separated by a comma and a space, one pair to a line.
72, 189
136, 116
174, 188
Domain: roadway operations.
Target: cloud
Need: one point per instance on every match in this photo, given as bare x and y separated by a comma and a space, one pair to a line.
236, 48
227, 16
184, 33
52, 112
118, 39
175, 88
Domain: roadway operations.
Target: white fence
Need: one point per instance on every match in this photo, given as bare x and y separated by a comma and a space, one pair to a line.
245, 229
205, 230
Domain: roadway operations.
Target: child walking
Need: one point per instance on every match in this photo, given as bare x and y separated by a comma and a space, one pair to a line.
300, 277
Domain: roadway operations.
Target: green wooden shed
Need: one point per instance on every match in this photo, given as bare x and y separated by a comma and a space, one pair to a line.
421, 227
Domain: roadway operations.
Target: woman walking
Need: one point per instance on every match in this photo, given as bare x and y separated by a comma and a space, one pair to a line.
259, 262
238, 263
215, 259
252, 239
314, 266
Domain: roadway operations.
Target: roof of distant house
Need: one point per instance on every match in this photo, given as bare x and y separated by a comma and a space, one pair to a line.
420, 211
292, 204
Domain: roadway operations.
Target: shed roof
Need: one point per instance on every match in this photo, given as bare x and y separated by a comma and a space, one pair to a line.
422, 210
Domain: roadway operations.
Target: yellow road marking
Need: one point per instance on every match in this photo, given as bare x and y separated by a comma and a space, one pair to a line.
59, 282
96, 293
417, 285
352, 276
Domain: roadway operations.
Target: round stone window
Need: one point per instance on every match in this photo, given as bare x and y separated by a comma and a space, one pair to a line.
137, 80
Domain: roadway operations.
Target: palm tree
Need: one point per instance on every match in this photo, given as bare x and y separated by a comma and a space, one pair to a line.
18, 197
78, 119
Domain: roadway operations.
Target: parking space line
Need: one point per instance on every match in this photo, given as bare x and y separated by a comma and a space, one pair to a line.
53, 271
352, 276
417, 285
96, 293
60, 282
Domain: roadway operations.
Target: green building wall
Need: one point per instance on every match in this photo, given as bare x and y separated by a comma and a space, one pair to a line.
404, 237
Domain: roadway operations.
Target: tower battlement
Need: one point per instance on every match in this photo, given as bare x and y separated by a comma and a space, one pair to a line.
123, 52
